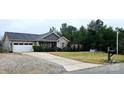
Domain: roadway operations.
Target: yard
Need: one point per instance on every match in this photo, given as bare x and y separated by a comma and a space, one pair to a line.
98, 57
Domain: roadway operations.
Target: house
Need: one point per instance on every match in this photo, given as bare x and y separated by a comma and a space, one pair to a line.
0, 44
23, 42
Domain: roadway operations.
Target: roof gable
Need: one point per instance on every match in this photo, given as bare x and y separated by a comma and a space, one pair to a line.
64, 39
49, 33
51, 37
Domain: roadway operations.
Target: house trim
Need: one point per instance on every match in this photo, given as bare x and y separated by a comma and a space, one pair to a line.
50, 34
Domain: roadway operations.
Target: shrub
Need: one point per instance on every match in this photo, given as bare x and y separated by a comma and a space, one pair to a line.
3, 50
0, 50
36, 48
42, 49
47, 49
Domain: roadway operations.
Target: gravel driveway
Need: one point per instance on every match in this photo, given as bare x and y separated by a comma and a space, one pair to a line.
13, 63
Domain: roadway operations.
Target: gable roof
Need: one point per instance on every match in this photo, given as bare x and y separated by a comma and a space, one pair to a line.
49, 33
49, 36
64, 38
28, 37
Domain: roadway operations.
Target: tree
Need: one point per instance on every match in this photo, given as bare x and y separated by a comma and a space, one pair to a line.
109, 37
94, 27
82, 36
96, 36
121, 39
52, 29
63, 29
69, 32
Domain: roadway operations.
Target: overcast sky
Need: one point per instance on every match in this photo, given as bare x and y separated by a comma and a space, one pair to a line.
42, 26
47, 13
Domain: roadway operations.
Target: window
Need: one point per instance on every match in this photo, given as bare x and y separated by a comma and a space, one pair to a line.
62, 45
20, 43
26, 43
15, 43
30, 44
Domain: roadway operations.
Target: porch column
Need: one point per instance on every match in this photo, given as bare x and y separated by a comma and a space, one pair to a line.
37, 43
50, 44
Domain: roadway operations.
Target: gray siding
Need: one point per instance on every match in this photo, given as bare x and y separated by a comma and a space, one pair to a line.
6, 44
62, 43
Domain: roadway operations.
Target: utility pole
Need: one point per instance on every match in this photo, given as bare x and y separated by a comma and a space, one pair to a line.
117, 42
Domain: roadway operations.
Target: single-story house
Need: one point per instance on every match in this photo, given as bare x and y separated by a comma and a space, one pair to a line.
0, 44
23, 42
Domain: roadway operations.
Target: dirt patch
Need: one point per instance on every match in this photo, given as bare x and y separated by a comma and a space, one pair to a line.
12, 63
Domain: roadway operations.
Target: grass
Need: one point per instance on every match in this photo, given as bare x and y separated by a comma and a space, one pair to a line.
97, 58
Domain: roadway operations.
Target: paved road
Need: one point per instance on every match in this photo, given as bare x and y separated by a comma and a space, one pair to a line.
107, 69
68, 64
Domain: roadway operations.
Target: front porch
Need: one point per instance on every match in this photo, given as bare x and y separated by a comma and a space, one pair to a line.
47, 44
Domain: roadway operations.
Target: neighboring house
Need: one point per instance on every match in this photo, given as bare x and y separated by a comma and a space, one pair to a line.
23, 42
0, 44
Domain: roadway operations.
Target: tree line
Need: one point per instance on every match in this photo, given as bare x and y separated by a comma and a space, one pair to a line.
96, 35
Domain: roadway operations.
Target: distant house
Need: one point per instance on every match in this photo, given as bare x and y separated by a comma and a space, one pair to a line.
0, 44
23, 42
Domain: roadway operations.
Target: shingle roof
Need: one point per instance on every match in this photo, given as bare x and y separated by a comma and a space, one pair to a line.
21, 36
26, 37
45, 34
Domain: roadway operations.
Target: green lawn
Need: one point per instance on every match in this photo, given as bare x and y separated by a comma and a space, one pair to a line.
98, 57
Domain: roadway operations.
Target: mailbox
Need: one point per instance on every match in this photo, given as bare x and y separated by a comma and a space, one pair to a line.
112, 51
110, 54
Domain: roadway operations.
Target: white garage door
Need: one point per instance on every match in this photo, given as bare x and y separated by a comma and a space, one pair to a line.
22, 47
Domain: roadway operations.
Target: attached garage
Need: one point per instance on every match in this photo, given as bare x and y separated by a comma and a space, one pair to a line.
22, 47
23, 42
